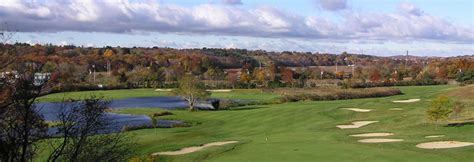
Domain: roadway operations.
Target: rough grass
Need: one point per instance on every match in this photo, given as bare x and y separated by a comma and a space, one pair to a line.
464, 95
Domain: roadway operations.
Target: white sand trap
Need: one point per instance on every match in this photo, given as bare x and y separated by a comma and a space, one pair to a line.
435, 136
188, 150
396, 109
358, 110
443, 144
407, 101
379, 140
163, 90
372, 135
356, 124
219, 90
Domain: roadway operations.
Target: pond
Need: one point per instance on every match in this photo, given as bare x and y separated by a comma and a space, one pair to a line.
49, 110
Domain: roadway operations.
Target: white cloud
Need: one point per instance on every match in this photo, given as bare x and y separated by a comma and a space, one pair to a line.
126, 16
89, 45
63, 43
84, 10
409, 8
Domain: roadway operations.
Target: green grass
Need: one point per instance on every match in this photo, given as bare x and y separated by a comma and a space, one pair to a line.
108, 94
305, 131
242, 94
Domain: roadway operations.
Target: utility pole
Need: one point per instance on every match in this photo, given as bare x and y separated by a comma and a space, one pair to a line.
93, 66
353, 64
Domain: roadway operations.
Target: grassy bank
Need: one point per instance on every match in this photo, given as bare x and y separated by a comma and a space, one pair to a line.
237, 94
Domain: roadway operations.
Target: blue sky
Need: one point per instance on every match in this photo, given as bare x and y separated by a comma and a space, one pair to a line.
377, 27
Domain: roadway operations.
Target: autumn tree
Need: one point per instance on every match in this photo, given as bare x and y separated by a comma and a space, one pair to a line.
191, 89
108, 55
231, 79
272, 72
259, 75
245, 76
374, 75
287, 76
438, 110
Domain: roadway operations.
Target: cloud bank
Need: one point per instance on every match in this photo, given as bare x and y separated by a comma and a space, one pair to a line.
332, 5
126, 16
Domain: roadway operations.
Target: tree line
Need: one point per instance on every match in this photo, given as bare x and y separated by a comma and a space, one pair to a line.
83, 68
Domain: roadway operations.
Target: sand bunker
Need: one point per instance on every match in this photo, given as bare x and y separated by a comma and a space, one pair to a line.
396, 109
188, 150
356, 124
443, 144
435, 136
379, 140
358, 110
372, 135
163, 90
219, 90
407, 101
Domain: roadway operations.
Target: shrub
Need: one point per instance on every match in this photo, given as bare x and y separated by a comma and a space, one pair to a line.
337, 94
164, 113
397, 83
438, 110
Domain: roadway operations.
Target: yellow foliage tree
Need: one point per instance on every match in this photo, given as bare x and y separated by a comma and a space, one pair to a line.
108, 53
244, 76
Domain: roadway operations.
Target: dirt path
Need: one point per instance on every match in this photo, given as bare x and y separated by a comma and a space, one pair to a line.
188, 150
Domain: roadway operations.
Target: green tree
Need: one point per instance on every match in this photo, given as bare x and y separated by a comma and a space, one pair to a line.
191, 90
438, 110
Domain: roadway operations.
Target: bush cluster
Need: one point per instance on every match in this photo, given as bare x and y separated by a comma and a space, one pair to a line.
163, 113
396, 83
147, 126
341, 94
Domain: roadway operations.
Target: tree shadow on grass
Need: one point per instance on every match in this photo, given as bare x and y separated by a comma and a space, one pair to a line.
460, 124
246, 108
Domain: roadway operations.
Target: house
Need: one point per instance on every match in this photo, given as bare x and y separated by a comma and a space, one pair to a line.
39, 78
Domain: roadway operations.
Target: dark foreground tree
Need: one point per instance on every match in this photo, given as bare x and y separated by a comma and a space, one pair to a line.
21, 126
191, 90
82, 134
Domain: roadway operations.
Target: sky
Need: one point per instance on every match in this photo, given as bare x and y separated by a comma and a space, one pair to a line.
375, 27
